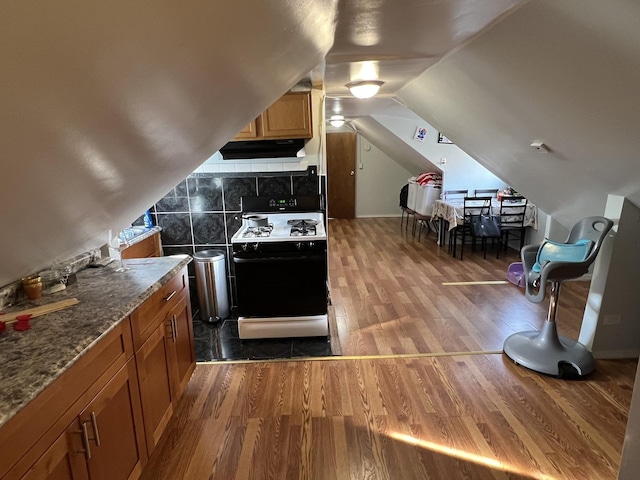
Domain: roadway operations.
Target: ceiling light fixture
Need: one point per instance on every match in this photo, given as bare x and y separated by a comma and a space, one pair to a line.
364, 88
336, 120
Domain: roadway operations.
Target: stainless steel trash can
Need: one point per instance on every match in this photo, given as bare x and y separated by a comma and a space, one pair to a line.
211, 283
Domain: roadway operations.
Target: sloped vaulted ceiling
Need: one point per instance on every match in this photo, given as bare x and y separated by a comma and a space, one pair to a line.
562, 72
107, 105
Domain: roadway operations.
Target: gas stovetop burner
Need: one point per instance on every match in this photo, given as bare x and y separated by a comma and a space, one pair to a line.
253, 232
302, 231
302, 223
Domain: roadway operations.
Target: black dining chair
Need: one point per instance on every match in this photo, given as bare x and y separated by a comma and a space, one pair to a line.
483, 192
472, 206
448, 194
404, 196
513, 210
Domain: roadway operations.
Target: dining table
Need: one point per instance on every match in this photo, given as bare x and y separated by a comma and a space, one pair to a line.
449, 213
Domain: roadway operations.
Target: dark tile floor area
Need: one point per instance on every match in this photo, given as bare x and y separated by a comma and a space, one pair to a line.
221, 342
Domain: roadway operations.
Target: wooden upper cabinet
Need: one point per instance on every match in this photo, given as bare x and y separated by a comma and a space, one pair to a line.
288, 117
250, 132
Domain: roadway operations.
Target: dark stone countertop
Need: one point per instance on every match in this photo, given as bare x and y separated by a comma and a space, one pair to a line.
32, 359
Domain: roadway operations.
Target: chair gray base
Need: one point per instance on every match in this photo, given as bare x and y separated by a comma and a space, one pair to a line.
546, 352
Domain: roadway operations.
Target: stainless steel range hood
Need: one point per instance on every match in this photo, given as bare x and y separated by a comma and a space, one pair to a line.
263, 149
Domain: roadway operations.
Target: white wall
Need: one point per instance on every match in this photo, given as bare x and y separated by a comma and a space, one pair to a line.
460, 170
558, 71
614, 288
379, 179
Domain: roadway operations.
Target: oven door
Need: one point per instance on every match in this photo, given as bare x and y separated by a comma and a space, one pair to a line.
282, 284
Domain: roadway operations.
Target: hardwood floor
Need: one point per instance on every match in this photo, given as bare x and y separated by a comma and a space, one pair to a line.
389, 298
427, 404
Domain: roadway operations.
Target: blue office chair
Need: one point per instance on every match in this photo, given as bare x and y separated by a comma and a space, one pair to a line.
544, 351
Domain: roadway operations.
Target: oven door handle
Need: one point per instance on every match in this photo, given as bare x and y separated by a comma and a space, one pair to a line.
304, 257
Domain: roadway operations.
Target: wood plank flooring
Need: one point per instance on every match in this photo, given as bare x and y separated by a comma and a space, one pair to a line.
388, 294
446, 416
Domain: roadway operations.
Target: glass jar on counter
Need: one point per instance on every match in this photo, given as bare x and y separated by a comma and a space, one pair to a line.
66, 272
32, 286
52, 281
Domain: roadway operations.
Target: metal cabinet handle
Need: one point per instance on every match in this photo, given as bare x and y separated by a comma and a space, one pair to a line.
175, 326
94, 425
352, 173
170, 327
85, 441
170, 296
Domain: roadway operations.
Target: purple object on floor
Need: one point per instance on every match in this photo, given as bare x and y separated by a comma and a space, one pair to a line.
515, 274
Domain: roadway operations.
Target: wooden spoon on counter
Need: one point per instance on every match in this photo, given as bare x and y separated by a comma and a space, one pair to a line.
9, 318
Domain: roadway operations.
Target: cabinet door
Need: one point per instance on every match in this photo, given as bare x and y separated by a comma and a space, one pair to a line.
113, 421
105, 442
63, 460
182, 352
249, 132
289, 117
154, 376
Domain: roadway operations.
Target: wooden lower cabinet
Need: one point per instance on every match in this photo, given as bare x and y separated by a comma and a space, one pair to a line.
114, 424
105, 442
155, 384
102, 418
60, 462
183, 351
165, 363
149, 247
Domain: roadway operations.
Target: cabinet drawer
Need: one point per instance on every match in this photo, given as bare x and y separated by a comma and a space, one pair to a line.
152, 312
27, 435
149, 247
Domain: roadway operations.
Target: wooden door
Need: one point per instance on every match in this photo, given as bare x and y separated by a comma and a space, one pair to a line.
115, 418
341, 178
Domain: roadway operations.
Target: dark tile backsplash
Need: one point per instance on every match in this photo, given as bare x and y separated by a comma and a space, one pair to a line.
174, 201
305, 186
205, 194
234, 188
203, 211
209, 228
176, 228
274, 186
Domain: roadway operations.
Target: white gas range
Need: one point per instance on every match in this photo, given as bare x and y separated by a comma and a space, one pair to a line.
280, 261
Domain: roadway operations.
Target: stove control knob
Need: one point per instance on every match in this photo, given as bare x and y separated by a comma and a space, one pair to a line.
245, 247
256, 246
299, 245
312, 245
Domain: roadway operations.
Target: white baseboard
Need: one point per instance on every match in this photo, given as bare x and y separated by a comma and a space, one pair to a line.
388, 215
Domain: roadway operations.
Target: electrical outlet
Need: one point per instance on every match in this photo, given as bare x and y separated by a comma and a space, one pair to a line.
612, 319
443, 161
